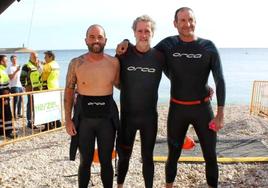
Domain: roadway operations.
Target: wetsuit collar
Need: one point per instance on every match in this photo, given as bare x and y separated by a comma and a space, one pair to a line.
194, 40
138, 51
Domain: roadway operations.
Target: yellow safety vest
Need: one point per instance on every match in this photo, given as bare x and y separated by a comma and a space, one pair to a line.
4, 79
34, 77
50, 75
4, 89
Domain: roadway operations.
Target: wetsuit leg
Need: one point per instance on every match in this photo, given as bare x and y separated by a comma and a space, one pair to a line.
207, 139
126, 137
176, 131
105, 140
148, 132
86, 146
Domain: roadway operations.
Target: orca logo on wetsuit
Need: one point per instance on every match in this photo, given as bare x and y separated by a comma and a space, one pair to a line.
196, 56
142, 69
96, 103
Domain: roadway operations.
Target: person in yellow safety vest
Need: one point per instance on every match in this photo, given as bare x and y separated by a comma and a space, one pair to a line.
30, 80
50, 80
51, 72
30, 74
6, 118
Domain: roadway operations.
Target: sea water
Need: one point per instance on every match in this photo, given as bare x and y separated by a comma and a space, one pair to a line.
241, 66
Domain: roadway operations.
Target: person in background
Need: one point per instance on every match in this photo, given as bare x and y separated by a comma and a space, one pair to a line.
15, 86
30, 80
50, 80
92, 76
140, 74
6, 123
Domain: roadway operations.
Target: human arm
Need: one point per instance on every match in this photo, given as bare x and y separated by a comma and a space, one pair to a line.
117, 75
218, 121
122, 47
39, 66
12, 75
69, 93
220, 89
24, 75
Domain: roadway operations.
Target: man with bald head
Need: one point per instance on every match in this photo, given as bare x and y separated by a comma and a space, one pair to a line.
30, 80
92, 76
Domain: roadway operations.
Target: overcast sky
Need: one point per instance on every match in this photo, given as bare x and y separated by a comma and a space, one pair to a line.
61, 24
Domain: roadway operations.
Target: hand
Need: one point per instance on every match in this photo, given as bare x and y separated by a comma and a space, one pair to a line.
122, 47
70, 128
211, 92
216, 124
212, 126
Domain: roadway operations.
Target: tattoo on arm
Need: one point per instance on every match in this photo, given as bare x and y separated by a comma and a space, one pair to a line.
71, 75
69, 91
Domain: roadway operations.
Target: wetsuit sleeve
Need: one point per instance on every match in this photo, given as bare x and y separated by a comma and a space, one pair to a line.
161, 58
163, 46
160, 46
164, 65
217, 73
165, 69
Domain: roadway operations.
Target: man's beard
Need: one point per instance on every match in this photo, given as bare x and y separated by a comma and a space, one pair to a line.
96, 48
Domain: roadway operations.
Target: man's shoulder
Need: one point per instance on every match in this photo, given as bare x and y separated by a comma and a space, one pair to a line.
207, 44
167, 42
111, 58
25, 66
9, 69
170, 38
77, 60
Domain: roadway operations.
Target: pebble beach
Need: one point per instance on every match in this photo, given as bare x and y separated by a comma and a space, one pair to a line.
43, 162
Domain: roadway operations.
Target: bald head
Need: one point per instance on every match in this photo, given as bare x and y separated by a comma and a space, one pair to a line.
33, 57
94, 27
95, 39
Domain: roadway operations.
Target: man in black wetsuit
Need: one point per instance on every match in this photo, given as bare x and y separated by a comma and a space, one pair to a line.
189, 61
140, 73
92, 76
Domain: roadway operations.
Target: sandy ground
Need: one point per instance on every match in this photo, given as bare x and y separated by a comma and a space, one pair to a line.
43, 161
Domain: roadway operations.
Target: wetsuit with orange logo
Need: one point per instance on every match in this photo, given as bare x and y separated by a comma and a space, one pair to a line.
189, 65
140, 74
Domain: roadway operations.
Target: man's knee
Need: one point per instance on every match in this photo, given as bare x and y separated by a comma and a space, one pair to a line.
124, 151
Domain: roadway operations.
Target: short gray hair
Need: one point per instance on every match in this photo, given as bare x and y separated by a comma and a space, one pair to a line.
144, 18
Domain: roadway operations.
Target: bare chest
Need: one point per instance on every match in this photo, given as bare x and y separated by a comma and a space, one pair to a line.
96, 73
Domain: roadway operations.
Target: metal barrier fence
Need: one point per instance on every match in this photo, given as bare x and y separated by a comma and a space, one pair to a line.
259, 99
20, 130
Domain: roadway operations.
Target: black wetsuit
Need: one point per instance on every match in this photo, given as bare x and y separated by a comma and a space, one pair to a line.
189, 65
95, 119
140, 74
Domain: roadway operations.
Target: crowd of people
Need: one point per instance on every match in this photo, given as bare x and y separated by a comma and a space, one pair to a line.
186, 60
34, 75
